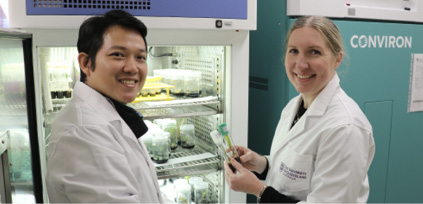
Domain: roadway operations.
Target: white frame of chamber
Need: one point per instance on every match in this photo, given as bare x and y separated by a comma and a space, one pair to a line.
18, 18
58, 31
236, 76
387, 10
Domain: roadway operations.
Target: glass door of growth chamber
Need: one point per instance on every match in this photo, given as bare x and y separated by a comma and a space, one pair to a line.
17, 119
183, 96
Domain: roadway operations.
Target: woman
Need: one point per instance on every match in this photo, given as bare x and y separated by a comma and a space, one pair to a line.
323, 145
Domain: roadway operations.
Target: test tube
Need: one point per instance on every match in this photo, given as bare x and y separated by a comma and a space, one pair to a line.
227, 151
224, 131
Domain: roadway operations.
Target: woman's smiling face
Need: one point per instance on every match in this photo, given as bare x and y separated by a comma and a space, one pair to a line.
309, 62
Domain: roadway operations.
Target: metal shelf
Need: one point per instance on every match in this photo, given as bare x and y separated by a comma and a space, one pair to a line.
13, 109
185, 162
178, 108
13, 114
180, 102
177, 113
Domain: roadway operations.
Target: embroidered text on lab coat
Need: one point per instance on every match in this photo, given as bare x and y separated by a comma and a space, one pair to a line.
292, 173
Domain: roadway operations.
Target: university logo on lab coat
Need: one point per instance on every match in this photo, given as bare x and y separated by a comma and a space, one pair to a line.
292, 173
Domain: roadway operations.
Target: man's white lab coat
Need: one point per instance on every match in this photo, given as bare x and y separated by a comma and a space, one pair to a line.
94, 157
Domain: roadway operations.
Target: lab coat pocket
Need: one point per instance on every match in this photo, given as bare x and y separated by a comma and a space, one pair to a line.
295, 170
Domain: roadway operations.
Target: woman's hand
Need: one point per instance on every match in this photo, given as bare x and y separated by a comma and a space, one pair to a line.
243, 179
251, 160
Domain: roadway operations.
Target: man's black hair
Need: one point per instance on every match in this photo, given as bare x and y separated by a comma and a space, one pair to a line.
91, 32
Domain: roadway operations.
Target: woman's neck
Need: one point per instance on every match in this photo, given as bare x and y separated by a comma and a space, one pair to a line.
308, 100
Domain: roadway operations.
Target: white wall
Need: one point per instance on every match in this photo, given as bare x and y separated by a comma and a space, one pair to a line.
4, 4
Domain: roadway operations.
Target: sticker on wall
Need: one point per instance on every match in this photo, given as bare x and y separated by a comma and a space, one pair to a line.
415, 96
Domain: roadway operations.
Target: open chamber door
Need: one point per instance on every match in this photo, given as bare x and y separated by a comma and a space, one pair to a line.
18, 119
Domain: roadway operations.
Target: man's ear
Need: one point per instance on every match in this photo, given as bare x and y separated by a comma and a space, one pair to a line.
84, 63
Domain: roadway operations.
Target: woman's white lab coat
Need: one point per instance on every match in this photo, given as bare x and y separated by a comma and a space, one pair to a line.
94, 157
325, 157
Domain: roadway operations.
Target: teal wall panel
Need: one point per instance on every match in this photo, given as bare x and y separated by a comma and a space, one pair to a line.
268, 82
377, 78
405, 161
380, 116
382, 73
267, 95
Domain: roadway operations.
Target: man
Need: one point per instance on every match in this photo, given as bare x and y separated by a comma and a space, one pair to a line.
94, 155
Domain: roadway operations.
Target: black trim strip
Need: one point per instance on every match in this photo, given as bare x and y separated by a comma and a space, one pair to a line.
32, 120
258, 86
259, 80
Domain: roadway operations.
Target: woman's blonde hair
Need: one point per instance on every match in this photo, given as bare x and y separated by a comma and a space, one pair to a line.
325, 26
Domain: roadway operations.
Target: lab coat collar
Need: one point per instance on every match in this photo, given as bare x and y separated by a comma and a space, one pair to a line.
317, 108
300, 125
132, 118
321, 102
95, 100
104, 108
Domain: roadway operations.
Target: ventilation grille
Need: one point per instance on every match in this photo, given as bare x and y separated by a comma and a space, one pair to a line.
94, 4
216, 9
203, 126
215, 186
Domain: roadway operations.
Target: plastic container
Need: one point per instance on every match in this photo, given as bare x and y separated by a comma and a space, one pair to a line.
169, 140
177, 80
159, 73
187, 133
179, 182
160, 148
170, 126
201, 192
53, 94
159, 122
147, 139
59, 94
192, 83
67, 94
166, 75
192, 181
183, 193
143, 93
